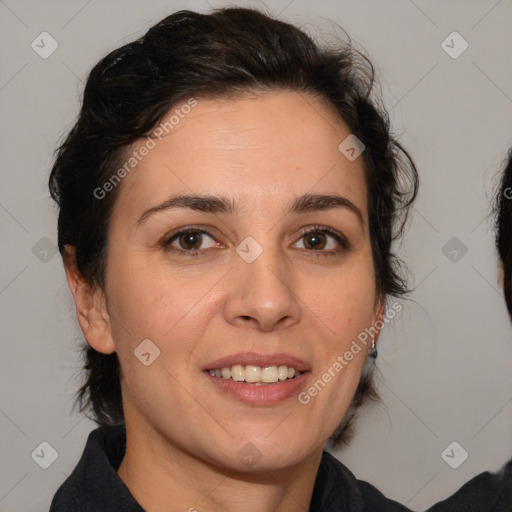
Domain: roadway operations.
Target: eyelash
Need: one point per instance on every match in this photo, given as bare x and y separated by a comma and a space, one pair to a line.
342, 241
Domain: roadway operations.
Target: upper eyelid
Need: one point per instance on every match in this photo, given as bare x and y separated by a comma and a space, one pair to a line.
167, 238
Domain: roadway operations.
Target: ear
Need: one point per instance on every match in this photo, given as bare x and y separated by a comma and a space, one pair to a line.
379, 316
90, 304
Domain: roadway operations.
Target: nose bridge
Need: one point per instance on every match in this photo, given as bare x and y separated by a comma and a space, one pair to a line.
262, 286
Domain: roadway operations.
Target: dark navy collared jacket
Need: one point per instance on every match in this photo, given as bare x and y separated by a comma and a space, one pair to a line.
95, 486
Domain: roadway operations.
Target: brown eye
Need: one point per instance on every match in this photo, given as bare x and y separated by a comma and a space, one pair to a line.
315, 240
190, 240
323, 241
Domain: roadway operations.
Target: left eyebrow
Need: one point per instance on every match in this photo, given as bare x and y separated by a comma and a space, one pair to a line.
211, 204
319, 202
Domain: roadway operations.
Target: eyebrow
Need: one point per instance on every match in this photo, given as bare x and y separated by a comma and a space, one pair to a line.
212, 204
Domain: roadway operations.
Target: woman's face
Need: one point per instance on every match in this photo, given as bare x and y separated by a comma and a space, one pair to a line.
256, 291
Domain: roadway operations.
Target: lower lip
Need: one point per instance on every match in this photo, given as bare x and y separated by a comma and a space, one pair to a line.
265, 394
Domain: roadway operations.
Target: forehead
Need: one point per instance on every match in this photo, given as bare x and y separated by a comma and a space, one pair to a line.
266, 147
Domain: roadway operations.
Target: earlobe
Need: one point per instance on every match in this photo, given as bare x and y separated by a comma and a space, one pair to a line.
90, 306
379, 322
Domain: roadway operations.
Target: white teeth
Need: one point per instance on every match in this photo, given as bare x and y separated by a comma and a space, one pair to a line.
269, 374
252, 373
282, 372
237, 373
255, 374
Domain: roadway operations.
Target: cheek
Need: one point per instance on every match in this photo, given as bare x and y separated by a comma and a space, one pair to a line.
347, 307
345, 303
159, 304
173, 317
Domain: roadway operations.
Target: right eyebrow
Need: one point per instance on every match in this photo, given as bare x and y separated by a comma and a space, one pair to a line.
206, 204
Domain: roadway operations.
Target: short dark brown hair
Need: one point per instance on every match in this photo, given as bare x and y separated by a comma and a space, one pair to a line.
230, 52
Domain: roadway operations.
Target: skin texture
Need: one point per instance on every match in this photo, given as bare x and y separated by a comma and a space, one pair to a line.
183, 434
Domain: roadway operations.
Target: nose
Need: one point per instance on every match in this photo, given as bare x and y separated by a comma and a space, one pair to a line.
261, 294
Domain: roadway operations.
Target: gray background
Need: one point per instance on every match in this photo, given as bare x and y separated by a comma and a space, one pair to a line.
444, 363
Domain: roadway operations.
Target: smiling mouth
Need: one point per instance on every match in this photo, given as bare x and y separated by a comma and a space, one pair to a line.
256, 375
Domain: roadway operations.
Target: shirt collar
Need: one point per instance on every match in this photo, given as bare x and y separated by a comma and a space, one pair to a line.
95, 484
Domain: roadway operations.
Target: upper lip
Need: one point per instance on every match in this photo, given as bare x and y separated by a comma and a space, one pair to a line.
245, 358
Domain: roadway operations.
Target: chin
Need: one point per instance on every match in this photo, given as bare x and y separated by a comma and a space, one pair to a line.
262, 454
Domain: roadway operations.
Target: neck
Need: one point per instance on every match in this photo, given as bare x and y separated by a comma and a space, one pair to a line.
160, 476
